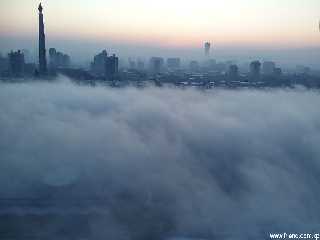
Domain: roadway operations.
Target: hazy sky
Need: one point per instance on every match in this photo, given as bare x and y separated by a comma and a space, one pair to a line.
168, 23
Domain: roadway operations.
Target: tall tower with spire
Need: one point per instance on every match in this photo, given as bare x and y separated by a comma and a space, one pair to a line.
207, 47
42, 44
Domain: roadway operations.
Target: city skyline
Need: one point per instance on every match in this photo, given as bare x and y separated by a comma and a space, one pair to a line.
162, 120
238, 29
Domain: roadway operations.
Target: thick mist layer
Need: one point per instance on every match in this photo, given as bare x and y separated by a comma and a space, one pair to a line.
164, 162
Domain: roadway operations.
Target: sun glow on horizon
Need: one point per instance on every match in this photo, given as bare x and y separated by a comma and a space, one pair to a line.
174, 23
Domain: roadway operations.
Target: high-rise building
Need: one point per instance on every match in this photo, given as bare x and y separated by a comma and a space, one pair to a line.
156, 64
268, 67
98, 64
16, 63
233, 72
58, 59
111, 67
255, 70
105, 66
277, 72
207, 47
28, 58
42, 44
3, 64
173, 63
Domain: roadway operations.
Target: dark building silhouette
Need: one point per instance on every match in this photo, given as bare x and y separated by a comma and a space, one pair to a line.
207, 47
105, 66
156, 64
28, 58
58, 59
277, 72
233, 72
42, 44
98, 64
111, 67
173, 63
255, 70
3, 64
268, 68
16, 63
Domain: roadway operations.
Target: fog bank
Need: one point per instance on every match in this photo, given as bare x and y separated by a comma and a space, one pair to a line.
220, 164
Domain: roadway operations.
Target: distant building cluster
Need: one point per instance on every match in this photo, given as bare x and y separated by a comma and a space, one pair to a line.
205, 73
105, 66
58, 59
156, 64
16, 63
173, 63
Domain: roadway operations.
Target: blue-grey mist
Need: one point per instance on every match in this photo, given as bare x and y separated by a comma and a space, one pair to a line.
165, 162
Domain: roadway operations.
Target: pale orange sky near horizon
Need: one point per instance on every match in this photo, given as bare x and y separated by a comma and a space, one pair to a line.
171, 23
